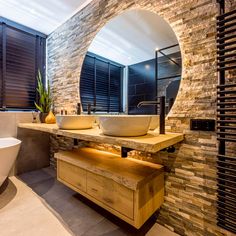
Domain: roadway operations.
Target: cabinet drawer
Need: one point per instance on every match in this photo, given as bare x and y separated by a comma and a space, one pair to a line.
71, 174
111, 194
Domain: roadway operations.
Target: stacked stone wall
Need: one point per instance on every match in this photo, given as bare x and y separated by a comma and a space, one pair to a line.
190, 176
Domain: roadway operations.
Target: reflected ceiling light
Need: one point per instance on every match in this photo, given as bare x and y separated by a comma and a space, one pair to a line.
32, 11
147, 67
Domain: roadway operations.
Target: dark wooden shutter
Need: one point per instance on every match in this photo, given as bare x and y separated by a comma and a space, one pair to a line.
87, 82
115, 88
22, 54
20, 69
101, 84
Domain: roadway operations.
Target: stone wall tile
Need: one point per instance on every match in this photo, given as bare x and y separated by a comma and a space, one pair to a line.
190, 172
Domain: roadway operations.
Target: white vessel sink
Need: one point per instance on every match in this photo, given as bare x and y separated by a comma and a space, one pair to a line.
124, 125
75, 121
154, 122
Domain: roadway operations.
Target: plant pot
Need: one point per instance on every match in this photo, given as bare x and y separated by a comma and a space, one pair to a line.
42, 116
50, 119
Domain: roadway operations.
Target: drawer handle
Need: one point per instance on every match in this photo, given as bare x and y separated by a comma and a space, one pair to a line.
93, 189
108, 200
151, 190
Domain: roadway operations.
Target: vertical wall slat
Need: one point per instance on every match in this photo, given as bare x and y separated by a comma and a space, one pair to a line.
226, 124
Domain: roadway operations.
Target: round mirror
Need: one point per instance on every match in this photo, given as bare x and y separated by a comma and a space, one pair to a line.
132, 61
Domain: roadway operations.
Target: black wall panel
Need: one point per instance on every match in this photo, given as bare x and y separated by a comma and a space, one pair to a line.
142, 84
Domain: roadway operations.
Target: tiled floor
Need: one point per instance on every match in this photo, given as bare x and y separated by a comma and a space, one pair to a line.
82, 216
23, 213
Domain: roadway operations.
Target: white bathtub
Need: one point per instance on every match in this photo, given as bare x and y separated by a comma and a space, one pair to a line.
9, 148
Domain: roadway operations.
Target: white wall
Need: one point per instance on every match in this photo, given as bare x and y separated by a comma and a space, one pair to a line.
10, 120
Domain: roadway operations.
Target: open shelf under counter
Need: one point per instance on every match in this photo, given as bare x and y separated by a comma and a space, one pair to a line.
151, 142
130, 189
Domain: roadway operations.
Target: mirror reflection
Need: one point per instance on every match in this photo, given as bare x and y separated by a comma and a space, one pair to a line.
132, 61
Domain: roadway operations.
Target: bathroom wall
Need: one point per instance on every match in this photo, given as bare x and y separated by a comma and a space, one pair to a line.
9, 121
8, 126
190, 172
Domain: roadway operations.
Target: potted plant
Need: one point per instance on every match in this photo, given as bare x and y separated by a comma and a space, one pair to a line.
45, 101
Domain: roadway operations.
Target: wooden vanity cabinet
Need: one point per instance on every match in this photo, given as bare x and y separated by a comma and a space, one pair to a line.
130, 189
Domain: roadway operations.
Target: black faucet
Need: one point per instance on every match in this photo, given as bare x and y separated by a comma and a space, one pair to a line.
162, 110
78, 109
91, 107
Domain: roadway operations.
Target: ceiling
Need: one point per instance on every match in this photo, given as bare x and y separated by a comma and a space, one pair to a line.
129, 38
133, 36
42, 15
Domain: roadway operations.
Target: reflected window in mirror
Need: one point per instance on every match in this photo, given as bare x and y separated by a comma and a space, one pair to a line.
145, 85
101, 84
169, 76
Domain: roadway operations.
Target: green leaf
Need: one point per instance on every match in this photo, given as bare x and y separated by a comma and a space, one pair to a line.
45, 100
38, 107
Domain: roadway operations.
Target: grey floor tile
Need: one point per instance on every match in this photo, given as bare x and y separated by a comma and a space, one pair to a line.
105, 227
160, 230
117, 232
52, 188
51, 171
79, 229
35, 176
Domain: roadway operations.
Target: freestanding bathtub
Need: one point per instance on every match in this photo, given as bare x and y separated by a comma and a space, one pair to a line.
9, 148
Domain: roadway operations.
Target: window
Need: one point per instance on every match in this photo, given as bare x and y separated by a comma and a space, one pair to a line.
143, 86
101, 84
22, 54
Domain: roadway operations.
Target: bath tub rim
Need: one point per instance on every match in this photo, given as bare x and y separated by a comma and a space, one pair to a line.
10, 142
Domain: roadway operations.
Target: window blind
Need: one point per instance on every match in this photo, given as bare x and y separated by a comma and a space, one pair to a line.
22, 54
101, 84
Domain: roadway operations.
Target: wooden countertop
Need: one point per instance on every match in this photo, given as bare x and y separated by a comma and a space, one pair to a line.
152, 142
126, 171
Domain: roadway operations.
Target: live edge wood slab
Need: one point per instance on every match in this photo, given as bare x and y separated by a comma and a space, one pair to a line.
130, 189
152, 142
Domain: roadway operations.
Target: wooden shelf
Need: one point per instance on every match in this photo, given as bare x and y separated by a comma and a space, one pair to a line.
129, 172
152, 142
130, 189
